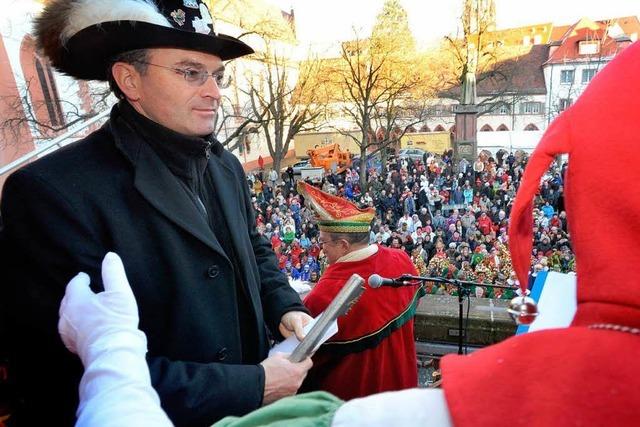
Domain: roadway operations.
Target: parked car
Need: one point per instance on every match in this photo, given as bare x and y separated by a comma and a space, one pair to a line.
298, 166
412, 153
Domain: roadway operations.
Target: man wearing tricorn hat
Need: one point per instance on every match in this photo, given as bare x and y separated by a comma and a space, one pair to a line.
374, 349
154, 185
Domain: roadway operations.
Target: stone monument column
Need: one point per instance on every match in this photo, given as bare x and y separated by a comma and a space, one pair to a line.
465, 142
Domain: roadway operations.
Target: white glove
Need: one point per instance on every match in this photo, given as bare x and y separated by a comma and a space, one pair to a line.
86, 317
102, 329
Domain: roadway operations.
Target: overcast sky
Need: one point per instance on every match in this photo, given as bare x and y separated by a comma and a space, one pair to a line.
331, 20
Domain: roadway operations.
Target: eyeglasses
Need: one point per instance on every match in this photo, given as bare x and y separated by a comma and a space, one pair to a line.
323, 242
197, 77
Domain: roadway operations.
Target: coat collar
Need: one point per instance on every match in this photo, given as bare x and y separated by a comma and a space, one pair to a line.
158, 185
186, 156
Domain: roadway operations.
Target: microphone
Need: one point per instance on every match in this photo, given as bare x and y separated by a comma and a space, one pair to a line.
375, 281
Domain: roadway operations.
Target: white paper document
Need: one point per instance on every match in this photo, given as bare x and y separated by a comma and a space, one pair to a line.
287, 346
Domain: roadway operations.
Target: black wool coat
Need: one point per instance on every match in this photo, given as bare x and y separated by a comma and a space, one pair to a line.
111, 192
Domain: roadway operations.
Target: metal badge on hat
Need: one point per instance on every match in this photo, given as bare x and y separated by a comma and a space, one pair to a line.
203, 25
178, 16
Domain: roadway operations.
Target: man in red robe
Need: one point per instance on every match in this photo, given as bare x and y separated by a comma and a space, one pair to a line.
374, 350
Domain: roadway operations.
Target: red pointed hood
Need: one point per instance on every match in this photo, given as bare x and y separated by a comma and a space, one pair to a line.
601, 134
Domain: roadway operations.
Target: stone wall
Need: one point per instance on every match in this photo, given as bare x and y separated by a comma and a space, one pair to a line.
437, 321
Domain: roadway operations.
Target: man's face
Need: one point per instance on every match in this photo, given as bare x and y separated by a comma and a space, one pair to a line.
333, 249
165, 97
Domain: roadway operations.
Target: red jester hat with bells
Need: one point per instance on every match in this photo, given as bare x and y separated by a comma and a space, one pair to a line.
585, 374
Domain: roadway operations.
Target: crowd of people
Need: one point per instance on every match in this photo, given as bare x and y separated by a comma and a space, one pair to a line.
450, 216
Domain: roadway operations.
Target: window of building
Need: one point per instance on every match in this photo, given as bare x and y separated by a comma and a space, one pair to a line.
588, 74
486, 128
531, 108
566, 76
504, 109
531, 126
589, 47
502, 128
564, 103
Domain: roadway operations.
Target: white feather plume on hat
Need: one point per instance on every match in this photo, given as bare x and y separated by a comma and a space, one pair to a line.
92, 12
62, 19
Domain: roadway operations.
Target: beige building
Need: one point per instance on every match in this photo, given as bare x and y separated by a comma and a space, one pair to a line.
434, 142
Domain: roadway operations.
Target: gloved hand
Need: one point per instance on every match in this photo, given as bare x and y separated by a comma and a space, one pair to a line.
86, 317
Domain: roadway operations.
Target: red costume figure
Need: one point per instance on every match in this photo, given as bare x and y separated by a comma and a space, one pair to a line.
374, 350
585, 374
484, 223
314, 250
276, 243
296, 250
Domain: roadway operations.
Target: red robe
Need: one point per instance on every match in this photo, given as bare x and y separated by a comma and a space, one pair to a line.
374, 350
574, 376
580, 375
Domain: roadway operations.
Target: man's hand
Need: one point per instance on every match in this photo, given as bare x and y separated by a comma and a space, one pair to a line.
86, 316
282, 378
294, 322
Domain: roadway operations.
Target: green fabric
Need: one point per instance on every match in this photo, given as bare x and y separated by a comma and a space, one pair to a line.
476, 259
344, 223
304, 410
289, 237
344, 226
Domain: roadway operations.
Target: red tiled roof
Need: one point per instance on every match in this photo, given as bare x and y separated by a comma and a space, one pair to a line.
586, 30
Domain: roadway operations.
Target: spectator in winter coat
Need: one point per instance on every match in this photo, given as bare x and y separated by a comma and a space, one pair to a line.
484, 223
547, 209
438, 220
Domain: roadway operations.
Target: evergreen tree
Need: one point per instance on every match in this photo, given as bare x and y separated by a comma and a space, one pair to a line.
392, 29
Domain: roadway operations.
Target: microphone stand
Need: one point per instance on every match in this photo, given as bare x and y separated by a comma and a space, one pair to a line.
464, 289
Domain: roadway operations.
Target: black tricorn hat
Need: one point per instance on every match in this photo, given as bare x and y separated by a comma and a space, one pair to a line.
80, 37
